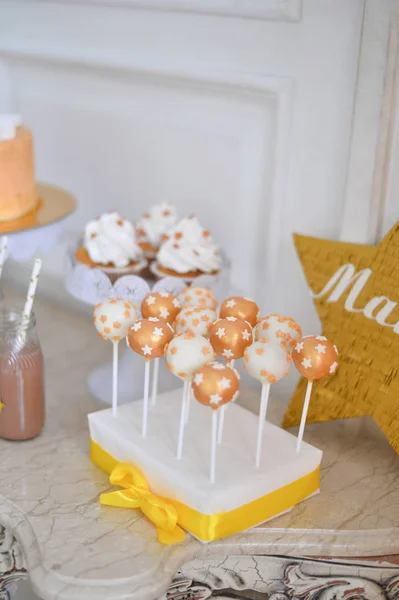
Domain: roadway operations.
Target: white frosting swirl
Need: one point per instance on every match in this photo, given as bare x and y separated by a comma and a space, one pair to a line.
189, 248
111, 239
157, 222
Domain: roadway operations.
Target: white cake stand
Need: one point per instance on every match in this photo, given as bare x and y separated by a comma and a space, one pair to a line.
42, 229
92, 286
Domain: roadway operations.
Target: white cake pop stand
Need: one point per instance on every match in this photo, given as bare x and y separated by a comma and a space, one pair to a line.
92, 286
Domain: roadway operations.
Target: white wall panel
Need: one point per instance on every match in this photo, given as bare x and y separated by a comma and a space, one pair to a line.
245, 121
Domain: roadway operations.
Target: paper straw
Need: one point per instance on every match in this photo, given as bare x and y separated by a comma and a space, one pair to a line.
30, 297
304, 415
115, 379
262, 416
155, 376
146, 394
3, 251
182, 420
213, 446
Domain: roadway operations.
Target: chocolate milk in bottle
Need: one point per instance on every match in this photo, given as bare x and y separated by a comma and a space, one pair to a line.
21, 379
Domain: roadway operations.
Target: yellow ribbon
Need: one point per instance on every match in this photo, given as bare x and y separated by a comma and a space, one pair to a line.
204, 526
135, 493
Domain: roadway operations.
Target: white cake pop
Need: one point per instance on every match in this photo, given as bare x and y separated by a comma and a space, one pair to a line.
198, 296
266, 362
187, 353
113, 318
195, 320
275, 328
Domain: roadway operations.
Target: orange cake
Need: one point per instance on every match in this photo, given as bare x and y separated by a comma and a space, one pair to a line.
18, 193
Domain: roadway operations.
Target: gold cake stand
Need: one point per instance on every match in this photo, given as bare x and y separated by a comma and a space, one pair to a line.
54, 204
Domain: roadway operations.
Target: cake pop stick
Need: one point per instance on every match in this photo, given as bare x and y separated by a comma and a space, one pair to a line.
215, 385
112, 319
148, 337
144, 425
314, 357
183, 413
264, 399
230, 363
184, 355
155, 376
188, 402
3, 250
304, 415
212, 469
268, 363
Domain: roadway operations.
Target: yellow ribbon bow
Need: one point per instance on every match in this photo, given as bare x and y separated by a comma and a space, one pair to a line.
136, 494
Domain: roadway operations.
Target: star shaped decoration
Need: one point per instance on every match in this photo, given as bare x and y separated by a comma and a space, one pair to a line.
228, 353
231, 319
198, 378
150, 300
146, 350
215, 399
306, 363
230, 303
220, 332
157, 332
320, 349
246, 335
164, 294
176, 303
218, 366
356, 294
153, 319
136, 326
164, 313
2, 405
299, 346
225, 383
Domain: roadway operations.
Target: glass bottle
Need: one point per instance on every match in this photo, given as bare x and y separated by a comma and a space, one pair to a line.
21, 378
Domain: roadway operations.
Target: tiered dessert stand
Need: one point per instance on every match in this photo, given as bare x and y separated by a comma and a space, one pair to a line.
92, 286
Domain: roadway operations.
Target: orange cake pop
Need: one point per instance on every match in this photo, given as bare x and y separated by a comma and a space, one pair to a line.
242, 308
230, 336
162, 305
314, 357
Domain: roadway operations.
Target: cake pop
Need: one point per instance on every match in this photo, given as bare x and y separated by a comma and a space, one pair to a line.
162, 305
275, 328
230, 336
112, 320
196, 320
267, 362
314, 357
242, 308
215, 385
198, 296
185, 354
148, 337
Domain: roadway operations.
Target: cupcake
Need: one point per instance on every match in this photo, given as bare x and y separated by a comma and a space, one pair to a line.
110, 244
188, 252
153, 226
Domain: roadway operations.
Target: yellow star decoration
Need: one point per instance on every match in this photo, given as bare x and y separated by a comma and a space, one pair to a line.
2, 405
355, 289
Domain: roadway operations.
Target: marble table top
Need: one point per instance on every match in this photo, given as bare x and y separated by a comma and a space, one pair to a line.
76, 548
